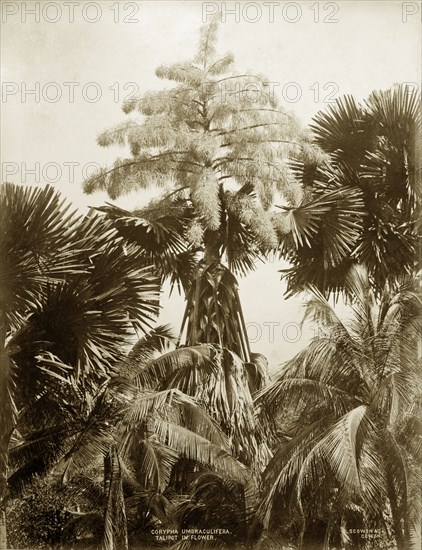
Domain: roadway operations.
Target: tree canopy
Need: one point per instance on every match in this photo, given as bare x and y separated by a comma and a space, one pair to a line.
363, 206
218, 135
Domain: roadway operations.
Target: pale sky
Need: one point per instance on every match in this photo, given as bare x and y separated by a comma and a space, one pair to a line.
99, 52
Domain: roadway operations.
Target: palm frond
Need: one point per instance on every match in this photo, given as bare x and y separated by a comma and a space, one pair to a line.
36, 227
199, 449
154, 464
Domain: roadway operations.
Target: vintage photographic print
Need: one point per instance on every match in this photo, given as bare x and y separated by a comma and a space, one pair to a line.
210, 316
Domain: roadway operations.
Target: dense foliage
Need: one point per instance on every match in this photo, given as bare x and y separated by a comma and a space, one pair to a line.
115, 434
349, 411
363, 207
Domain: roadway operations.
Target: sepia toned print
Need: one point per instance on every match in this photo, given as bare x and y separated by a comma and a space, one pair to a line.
210, 275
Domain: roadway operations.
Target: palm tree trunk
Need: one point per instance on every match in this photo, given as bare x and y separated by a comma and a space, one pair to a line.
115, 523
212, 244
213, 315
3, 497
213, 312
395, 514
6, 429
3, 530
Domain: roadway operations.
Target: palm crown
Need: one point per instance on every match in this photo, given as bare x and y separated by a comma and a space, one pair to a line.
364, 205
217, 135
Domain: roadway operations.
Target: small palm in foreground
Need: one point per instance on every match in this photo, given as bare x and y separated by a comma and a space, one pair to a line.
348, 412
221, 505
136, 436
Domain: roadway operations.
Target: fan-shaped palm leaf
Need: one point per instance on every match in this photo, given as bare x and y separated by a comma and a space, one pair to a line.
372, 151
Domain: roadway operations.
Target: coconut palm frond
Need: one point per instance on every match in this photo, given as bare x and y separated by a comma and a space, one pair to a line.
193, 363
359, 380
199, 449
154, 463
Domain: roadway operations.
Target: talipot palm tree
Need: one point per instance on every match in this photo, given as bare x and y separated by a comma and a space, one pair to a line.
220, 142
364, 205
72, 296
347, 414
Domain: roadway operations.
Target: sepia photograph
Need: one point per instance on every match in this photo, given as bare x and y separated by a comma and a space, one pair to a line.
210, 275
